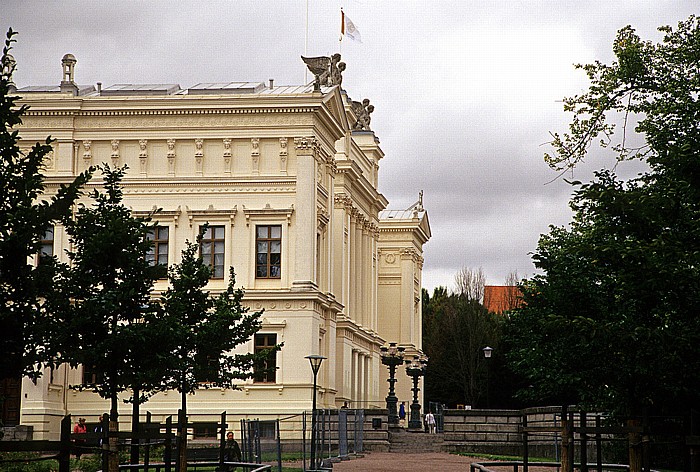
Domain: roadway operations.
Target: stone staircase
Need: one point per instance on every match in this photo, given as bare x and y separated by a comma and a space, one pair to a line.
406, 442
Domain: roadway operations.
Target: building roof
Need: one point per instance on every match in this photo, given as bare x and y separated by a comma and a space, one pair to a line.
500, 298
206, 88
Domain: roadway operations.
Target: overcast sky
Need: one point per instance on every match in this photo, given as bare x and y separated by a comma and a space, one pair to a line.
465, 91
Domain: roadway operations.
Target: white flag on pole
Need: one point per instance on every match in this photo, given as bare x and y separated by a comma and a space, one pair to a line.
347, 28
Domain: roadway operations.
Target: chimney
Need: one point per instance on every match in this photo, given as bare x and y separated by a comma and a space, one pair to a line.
99, 88
271, 83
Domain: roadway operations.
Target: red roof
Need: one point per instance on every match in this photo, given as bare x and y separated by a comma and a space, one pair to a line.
500, 298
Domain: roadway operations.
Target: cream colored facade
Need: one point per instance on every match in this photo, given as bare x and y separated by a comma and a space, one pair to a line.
240, 156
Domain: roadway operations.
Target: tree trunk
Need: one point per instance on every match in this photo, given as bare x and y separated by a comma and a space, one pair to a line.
182, 452
113, 454
635, 445
566, 441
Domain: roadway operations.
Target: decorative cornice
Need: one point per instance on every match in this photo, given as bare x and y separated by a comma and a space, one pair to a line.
195, 111
174, 215
211, 212
268, 211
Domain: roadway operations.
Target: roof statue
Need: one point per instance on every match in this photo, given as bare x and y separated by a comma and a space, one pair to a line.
327, 70
362, 111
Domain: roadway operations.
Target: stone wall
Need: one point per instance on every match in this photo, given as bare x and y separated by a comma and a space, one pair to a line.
499, 431
16, 433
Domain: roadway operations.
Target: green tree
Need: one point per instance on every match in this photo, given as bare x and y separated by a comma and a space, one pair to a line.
612, 321
29, 296
205, 330
113, 323
456, 329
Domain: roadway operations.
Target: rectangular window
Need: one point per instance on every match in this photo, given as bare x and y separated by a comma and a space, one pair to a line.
262, 429
205, 429
268, 260
158, 254
91, 376
212, 250
46, 244
266, 369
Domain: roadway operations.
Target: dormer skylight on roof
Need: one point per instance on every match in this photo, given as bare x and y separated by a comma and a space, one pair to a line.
140, 89
214, 88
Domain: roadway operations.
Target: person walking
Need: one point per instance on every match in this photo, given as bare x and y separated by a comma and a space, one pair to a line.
430, 422
232, 451
402, 414
80, 428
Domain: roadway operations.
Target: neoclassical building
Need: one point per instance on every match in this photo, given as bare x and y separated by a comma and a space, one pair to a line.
286, 177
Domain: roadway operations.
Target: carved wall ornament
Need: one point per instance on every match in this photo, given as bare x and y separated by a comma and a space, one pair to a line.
306, 144
115, 152
198, 155
143, 152
255, 146
283, 155
255, 154
143, 155
87, 154
227, 155
362, 111
342, 200
171, 156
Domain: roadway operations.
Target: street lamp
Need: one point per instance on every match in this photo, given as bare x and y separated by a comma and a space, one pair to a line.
392, 357
415, 369
315, 361
487, 355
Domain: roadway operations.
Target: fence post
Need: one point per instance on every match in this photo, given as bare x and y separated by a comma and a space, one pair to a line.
694, 449
168, 453
566, 443
584, 441
526, 455
635, 445
147, 447
598, 444
303, 439
279, 446
64, 451
135, 428
222, 440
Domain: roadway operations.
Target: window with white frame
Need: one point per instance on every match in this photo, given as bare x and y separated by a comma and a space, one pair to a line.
212, 250
268, 257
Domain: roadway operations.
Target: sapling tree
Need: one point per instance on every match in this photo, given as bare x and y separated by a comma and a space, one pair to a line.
205, 330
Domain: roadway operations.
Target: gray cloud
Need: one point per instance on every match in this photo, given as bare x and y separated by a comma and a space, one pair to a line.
465, 92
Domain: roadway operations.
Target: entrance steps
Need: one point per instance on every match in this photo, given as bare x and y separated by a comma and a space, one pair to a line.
408, 442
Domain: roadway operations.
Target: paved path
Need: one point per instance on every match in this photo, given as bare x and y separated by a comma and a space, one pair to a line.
393, 462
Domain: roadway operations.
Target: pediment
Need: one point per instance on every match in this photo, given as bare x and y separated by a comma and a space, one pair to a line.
333, 101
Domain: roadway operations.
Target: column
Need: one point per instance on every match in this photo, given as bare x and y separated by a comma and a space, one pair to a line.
357, 276
305, 213
352, 273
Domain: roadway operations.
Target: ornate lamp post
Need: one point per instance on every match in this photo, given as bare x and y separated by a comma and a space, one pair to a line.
415, 369
392, 357
315, 361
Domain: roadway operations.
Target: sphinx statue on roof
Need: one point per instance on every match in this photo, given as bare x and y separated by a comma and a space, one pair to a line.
362, 111
328, 71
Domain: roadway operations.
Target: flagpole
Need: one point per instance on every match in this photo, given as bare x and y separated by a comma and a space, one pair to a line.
306, 43
342, 30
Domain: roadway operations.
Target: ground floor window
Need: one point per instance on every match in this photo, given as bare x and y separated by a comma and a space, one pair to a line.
265, 370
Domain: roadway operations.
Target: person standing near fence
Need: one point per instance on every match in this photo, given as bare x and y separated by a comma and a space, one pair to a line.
79, 429
232, 451
430, 422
